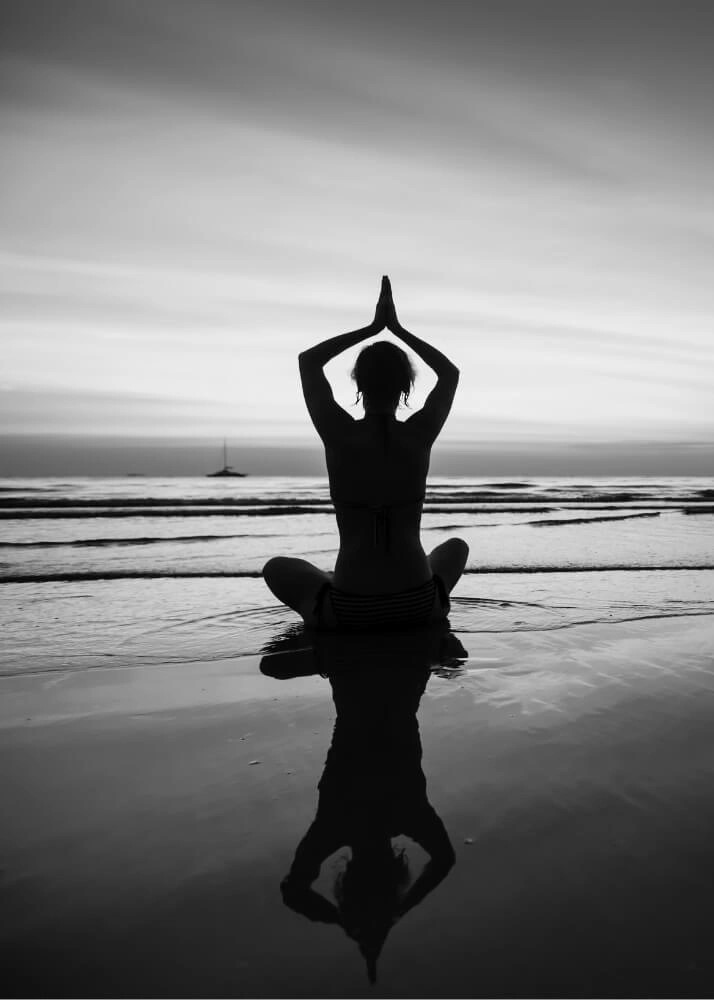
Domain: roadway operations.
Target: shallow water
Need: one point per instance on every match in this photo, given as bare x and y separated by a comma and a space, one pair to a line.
131, 571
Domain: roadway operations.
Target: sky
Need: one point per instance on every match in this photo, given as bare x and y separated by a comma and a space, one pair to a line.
193, 192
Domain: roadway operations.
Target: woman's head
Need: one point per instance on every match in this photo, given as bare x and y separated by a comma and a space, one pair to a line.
383, 374
368, 894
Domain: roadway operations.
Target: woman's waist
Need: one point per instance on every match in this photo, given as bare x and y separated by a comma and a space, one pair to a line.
365, 570
379, 528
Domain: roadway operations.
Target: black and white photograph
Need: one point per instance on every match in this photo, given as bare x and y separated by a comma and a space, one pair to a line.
357, 498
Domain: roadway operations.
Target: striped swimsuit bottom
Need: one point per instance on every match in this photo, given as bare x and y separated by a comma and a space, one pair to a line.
404, 609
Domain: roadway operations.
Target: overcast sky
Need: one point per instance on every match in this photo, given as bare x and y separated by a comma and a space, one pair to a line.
193, 192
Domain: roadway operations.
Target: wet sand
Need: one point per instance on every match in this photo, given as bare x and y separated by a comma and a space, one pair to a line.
150, 813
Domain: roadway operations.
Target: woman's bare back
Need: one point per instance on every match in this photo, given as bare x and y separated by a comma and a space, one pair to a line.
377, 471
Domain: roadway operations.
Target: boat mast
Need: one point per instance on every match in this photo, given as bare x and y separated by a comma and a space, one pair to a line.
225, 455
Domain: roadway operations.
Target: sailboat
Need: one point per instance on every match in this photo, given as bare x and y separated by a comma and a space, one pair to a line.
227, 469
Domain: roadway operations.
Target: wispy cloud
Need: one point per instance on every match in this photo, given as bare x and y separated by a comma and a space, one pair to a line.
195, 191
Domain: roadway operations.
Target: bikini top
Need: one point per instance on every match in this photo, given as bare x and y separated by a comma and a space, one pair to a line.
380, 514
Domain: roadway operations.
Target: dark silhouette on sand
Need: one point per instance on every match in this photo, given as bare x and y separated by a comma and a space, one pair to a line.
373, 787
377, 468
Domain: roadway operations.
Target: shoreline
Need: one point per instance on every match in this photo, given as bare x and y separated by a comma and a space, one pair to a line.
75, 694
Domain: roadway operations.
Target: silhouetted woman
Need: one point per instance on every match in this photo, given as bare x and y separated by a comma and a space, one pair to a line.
377, 468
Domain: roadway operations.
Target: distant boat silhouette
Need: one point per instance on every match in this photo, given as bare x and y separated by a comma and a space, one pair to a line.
227, 469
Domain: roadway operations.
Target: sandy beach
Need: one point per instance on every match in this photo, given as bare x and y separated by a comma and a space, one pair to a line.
150, 815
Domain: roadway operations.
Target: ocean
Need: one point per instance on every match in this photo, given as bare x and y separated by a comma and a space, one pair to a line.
135, 570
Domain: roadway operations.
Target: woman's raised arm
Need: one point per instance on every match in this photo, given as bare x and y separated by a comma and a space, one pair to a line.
321, 353
433, 414
438, 362
326, 414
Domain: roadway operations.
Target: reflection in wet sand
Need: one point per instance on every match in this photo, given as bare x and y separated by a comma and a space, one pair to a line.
372, 787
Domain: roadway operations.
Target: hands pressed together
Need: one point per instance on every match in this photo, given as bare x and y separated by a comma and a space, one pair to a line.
385, 315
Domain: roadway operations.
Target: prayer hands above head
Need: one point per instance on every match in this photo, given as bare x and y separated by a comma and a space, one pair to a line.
386, 313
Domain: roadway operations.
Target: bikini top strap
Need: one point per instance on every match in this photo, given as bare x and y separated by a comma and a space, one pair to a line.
381, 515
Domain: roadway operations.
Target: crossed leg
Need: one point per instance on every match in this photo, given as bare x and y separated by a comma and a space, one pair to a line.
448, 561
296, 582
